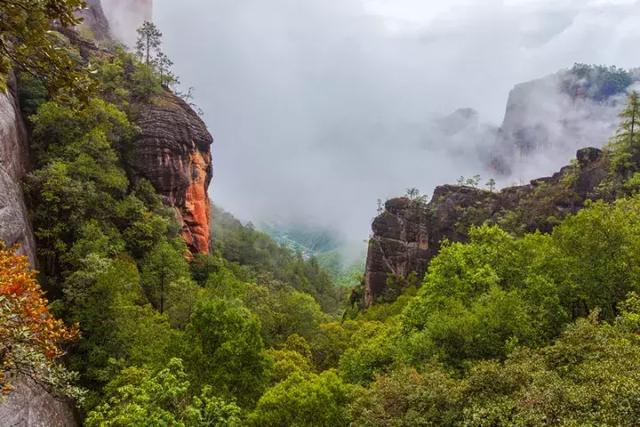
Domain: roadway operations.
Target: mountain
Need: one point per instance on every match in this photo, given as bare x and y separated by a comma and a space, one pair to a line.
548, 119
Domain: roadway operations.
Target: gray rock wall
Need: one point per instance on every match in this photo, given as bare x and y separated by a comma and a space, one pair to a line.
14, 163
30, 405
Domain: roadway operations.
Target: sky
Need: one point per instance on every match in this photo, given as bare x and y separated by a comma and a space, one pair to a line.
321, 107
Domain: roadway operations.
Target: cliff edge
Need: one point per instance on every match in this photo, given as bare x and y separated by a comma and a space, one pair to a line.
408, 233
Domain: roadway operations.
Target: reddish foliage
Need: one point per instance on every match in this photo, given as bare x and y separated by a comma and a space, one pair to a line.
25, 319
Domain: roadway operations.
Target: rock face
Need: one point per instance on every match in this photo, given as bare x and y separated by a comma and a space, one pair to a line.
126, 16
172, 150
94, 18
173, 153
548, 119
408, 234
14, 163
29, 405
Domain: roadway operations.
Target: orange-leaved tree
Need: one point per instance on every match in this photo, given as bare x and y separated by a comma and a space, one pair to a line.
31, 338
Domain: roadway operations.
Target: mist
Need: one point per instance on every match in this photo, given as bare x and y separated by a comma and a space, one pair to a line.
321, 107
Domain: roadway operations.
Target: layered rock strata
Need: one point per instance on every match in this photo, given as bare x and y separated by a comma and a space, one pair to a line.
173, 151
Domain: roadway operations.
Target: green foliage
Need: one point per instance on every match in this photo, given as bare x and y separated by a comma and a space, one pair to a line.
80, 188
330, 341
283, 311
164, 265
304, 400
117, 328
597, 82
624, 148
286, 363
267, 261
408, 398
140, 396
481, 298
28, 44
371, 351
587, 377
224, 350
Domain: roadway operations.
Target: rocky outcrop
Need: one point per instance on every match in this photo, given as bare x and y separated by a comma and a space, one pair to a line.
173, 153
408, 234
15, 227
94, 19
548, 119
31, 405
172, 149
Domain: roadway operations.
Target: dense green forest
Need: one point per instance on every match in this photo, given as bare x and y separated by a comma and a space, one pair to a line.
526, 330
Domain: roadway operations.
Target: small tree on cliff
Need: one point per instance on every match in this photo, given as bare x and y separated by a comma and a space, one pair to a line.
625, 146
149, 51
149, 42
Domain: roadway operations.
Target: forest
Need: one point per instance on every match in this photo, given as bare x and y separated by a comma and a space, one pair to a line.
505, 329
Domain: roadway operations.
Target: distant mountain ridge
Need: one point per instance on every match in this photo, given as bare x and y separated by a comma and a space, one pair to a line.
548, 119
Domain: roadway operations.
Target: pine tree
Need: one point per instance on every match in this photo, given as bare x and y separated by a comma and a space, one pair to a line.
149, 41
625, 146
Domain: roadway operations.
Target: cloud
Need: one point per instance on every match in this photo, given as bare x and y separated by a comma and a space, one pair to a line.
320, 107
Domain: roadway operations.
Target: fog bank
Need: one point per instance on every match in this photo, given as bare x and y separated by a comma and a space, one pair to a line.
320, 107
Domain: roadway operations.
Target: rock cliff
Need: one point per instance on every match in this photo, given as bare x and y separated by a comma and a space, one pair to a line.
126, 16
548, 119
14, 163
95, 20
408, 234
173, 148
30, 405
173, 152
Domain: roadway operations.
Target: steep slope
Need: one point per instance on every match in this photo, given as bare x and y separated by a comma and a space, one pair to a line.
173, 152
408, 234
173, 148
548, 119
14, 163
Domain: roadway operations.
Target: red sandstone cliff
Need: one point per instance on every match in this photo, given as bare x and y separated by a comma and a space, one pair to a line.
173, 147
173, 152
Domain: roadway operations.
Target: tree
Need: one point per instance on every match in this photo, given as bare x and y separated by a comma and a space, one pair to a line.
491, 185
473, 181
31, 339
167, 78
149, 51
148, 43
625, 146
305, 400
28, 44
140, 396
224, 350
406, 397
413, 193
163, 265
